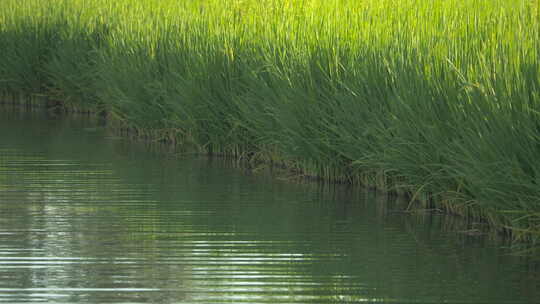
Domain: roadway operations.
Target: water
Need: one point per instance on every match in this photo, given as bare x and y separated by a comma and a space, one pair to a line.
86, 217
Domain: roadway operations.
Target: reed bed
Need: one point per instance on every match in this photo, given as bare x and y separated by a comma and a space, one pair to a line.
439, 99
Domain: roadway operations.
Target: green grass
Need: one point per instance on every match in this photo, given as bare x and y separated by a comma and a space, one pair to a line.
436, 98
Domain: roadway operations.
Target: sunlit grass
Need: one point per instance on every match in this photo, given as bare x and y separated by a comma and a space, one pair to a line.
436, 98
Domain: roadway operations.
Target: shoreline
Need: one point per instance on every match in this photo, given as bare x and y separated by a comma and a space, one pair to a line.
415, 204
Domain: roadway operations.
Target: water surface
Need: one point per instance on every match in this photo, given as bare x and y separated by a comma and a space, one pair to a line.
86, 217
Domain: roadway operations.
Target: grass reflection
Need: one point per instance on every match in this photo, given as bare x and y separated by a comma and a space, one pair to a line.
84, 219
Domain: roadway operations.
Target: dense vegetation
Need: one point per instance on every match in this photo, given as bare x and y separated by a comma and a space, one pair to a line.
439, 98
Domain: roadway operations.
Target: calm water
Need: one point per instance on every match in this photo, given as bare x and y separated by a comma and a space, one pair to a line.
86, 217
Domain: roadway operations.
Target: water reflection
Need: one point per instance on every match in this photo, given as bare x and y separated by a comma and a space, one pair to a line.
88, 218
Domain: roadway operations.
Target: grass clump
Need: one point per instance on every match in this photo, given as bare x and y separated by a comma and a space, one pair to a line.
439, 99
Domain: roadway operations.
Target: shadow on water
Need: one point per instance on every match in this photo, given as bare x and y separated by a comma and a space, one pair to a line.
87, 217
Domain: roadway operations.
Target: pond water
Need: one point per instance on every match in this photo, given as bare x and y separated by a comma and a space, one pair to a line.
87, 217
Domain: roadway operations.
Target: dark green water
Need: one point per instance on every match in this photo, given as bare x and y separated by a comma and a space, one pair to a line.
86, 217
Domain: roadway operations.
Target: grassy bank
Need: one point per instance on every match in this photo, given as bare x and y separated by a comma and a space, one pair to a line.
440, 98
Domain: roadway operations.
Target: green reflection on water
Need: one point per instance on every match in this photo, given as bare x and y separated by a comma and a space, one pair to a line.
87, 219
